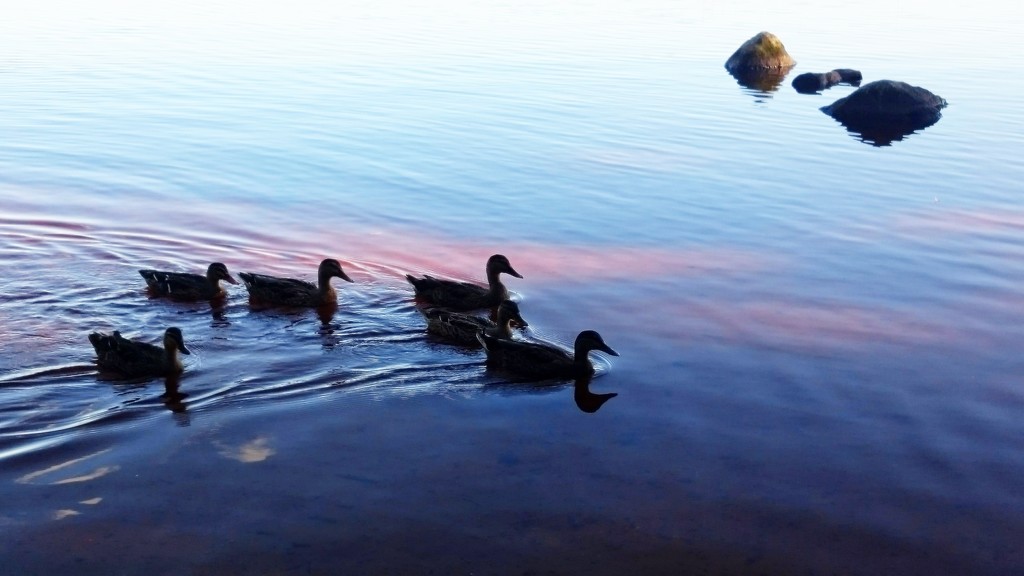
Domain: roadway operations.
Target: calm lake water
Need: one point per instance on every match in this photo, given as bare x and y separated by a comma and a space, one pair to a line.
820, 338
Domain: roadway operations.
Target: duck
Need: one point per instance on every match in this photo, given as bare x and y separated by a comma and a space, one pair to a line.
133, 358
186, 286
292, 292
461, 296
541, 360
462, 328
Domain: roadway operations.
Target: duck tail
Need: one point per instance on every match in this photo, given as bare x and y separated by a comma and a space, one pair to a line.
152, 278
101, 342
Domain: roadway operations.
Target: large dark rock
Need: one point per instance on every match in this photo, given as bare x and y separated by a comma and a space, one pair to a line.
812, 82
761, 63
886, 110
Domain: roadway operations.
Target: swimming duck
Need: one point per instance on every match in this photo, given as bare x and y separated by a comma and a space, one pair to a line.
466, 295
185, 286
541, 361
292, 292
462, 328
136, 358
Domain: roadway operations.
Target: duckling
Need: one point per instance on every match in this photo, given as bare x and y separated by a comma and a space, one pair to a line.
462, 328
291, 292
134, 358
185, 286
466, 295
542, 361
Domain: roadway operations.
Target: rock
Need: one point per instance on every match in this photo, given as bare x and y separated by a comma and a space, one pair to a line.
812, 82
886, 110
761, 63
849, 76
762, 52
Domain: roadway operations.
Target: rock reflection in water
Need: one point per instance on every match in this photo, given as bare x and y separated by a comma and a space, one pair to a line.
763, 81
885, 133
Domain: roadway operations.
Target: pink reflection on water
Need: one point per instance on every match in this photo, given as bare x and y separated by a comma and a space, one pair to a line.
418, 254
965, 221
789, 324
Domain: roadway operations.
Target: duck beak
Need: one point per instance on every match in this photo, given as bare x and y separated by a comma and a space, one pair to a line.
230, 279
522, 323
608, 349
343, 276
182, 349
512, 272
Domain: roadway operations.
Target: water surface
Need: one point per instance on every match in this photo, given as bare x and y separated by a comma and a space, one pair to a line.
819, 338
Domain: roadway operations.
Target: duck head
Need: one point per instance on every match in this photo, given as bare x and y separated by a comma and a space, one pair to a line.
590, 340
497, 264
509, 310
218, 271
332, 268
173, 339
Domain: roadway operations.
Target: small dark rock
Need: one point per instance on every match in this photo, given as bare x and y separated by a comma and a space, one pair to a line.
849, 76
812, 82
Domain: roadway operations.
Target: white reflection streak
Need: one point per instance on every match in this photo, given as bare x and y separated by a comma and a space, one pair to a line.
27, 478
253, 451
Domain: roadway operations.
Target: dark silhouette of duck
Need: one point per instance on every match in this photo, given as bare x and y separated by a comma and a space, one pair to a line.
276, 291
457, 295
586, 400
462, 328
187, 286
543, 361
133, 358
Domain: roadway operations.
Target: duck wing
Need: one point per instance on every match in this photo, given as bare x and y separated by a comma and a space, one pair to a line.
279, 290
532, 359
131, 357
461, 328
178, 284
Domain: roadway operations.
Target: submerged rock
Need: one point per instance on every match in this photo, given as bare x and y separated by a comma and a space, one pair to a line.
761, 63
886, 110
812, 82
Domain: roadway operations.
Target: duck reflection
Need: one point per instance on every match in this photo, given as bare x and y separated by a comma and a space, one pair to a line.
173, 400
326, 314
586, 400
218, 313
328, 329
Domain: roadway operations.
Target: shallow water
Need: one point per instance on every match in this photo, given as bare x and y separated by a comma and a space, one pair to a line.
819, 338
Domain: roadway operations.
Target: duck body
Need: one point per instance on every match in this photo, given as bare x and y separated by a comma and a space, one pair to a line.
186, 286
543, 361
462, 328
133, 358
461, 296
293, 292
